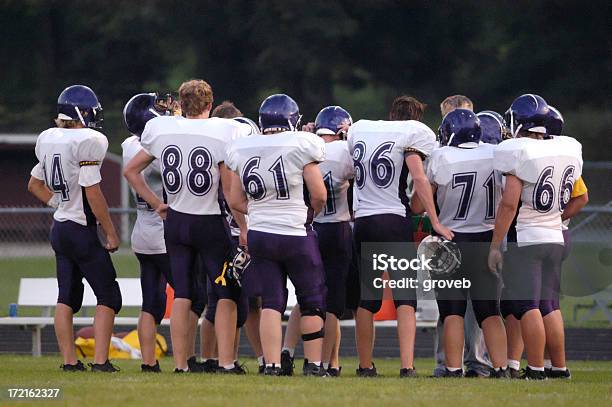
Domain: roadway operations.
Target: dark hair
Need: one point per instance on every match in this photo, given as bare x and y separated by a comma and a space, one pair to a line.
406, 108
226, 110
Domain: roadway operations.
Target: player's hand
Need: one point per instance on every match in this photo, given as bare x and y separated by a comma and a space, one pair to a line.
162, 210
343, 130
242, 239
443, 231
496, 260
112, 242
309, 127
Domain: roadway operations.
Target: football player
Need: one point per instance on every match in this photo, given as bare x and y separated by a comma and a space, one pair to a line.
191, 152
278, 182
493, 127
467, 193
334, 234
383, 154
148, 233
578, 200
540, 173
67, 178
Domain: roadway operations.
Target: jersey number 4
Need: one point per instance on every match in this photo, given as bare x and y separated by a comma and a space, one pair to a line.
199, 177
466, 181
58, 181
254, 184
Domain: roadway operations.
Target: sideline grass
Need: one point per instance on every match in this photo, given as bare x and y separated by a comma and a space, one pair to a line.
591, 386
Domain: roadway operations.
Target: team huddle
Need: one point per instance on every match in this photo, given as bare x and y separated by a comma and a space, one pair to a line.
228, 209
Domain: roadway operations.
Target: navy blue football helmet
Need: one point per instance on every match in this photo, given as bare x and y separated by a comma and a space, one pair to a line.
329, 118
78, 102
140, 109
554, 125
246, 120
279, 113
493, 126
527, 112
459, 127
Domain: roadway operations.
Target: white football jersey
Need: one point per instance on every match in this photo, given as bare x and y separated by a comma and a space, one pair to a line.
271, 169
69, 160
337, 170
548, 169
148, 232
189, 152
378, 149
468, 188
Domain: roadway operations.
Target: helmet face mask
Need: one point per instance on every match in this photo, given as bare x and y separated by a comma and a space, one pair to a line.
143, 107
444, 254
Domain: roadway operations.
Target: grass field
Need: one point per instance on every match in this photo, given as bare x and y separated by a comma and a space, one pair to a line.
591, 385
13, 269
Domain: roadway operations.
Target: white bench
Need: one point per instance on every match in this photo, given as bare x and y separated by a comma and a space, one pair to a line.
42, 292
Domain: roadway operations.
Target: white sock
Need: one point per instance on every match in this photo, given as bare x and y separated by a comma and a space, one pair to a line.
270, 365
547, 364
539, 369
325, 366
559, 369
291, 350
514, 364
318, 362
497, 369
228, 367
453, 369
186, 369
207, 359
260, 360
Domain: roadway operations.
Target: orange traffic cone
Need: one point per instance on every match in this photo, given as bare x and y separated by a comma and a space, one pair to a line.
387, 311
169, 301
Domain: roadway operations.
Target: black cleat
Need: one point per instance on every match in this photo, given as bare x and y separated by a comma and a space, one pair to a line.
150, 369
237, 369
179, 371
558, 374
194, 366
455, 373
273, 371
106, 367
287, 364
209, 366
408, 372
474, 374
334, 371
312, 369
261, 369
528, 374
514, 373
500, 374
366, 372
77, 367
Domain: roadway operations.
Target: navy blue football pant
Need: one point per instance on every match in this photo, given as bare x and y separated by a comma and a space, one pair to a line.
79, 254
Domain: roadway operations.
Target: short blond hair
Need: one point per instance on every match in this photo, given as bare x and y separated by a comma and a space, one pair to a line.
195, 97
455, 102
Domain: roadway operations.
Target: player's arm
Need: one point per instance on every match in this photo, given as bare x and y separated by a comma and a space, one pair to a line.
422, 188
503, 219
238, 200
416, 206
227, 182
133, 173
316, 186
99, 207
578, 200
38, 188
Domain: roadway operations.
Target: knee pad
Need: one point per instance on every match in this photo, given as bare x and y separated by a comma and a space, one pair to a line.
312, 312
313, 335
519, 307
371, 305
484, 310
112, 298
546, 307
157, 310
72, 297
451, 307
505, 307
